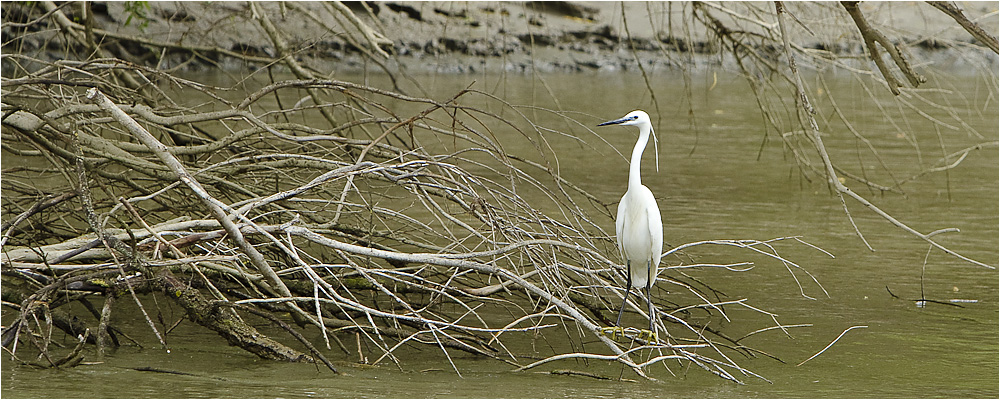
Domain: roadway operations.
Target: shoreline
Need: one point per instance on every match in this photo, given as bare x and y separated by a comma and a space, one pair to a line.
520, 37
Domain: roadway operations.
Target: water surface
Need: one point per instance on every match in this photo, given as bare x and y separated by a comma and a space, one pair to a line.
718, 179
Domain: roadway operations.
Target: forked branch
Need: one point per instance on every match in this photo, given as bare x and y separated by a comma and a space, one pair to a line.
872, 36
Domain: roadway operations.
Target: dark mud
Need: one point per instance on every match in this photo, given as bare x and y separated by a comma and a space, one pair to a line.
469, 37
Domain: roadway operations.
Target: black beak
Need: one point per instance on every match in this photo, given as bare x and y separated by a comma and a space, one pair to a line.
615, 122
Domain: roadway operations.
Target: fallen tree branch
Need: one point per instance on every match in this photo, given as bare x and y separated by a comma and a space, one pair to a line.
485, 268
207, 200
298, 336
225, 322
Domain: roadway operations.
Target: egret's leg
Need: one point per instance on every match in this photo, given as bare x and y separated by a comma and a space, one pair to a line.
652, 309
628, 288
651, 333
617, 330
621, 310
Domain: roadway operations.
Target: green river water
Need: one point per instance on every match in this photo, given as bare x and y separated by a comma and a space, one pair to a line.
716, 181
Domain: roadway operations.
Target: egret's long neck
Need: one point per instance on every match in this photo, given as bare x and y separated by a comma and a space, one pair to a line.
634, 180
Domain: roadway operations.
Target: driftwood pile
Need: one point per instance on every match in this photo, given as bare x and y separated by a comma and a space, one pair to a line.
310, 205
371, 218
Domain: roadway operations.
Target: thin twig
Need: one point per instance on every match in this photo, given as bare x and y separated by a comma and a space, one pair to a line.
831, 343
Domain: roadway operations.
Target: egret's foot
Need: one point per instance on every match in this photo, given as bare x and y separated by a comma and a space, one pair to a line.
614, 332
648, 335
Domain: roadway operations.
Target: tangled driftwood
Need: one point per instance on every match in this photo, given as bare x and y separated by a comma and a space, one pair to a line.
357, 212
353, 229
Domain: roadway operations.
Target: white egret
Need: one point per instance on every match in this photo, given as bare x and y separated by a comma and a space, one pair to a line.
638, 227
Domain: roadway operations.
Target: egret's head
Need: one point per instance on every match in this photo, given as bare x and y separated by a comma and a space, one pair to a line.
640, 119
637, 117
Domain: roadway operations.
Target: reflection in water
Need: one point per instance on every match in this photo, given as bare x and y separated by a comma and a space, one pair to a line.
722, 175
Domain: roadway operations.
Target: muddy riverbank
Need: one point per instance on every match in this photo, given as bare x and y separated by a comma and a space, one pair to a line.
470, 37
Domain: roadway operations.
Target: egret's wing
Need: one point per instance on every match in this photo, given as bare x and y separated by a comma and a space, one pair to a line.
620, 228
655, 235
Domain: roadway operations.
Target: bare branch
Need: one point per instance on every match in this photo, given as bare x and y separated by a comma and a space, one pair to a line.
871, 36
950, 8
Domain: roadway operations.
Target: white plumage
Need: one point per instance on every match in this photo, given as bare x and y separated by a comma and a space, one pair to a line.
640, 234
638, 227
